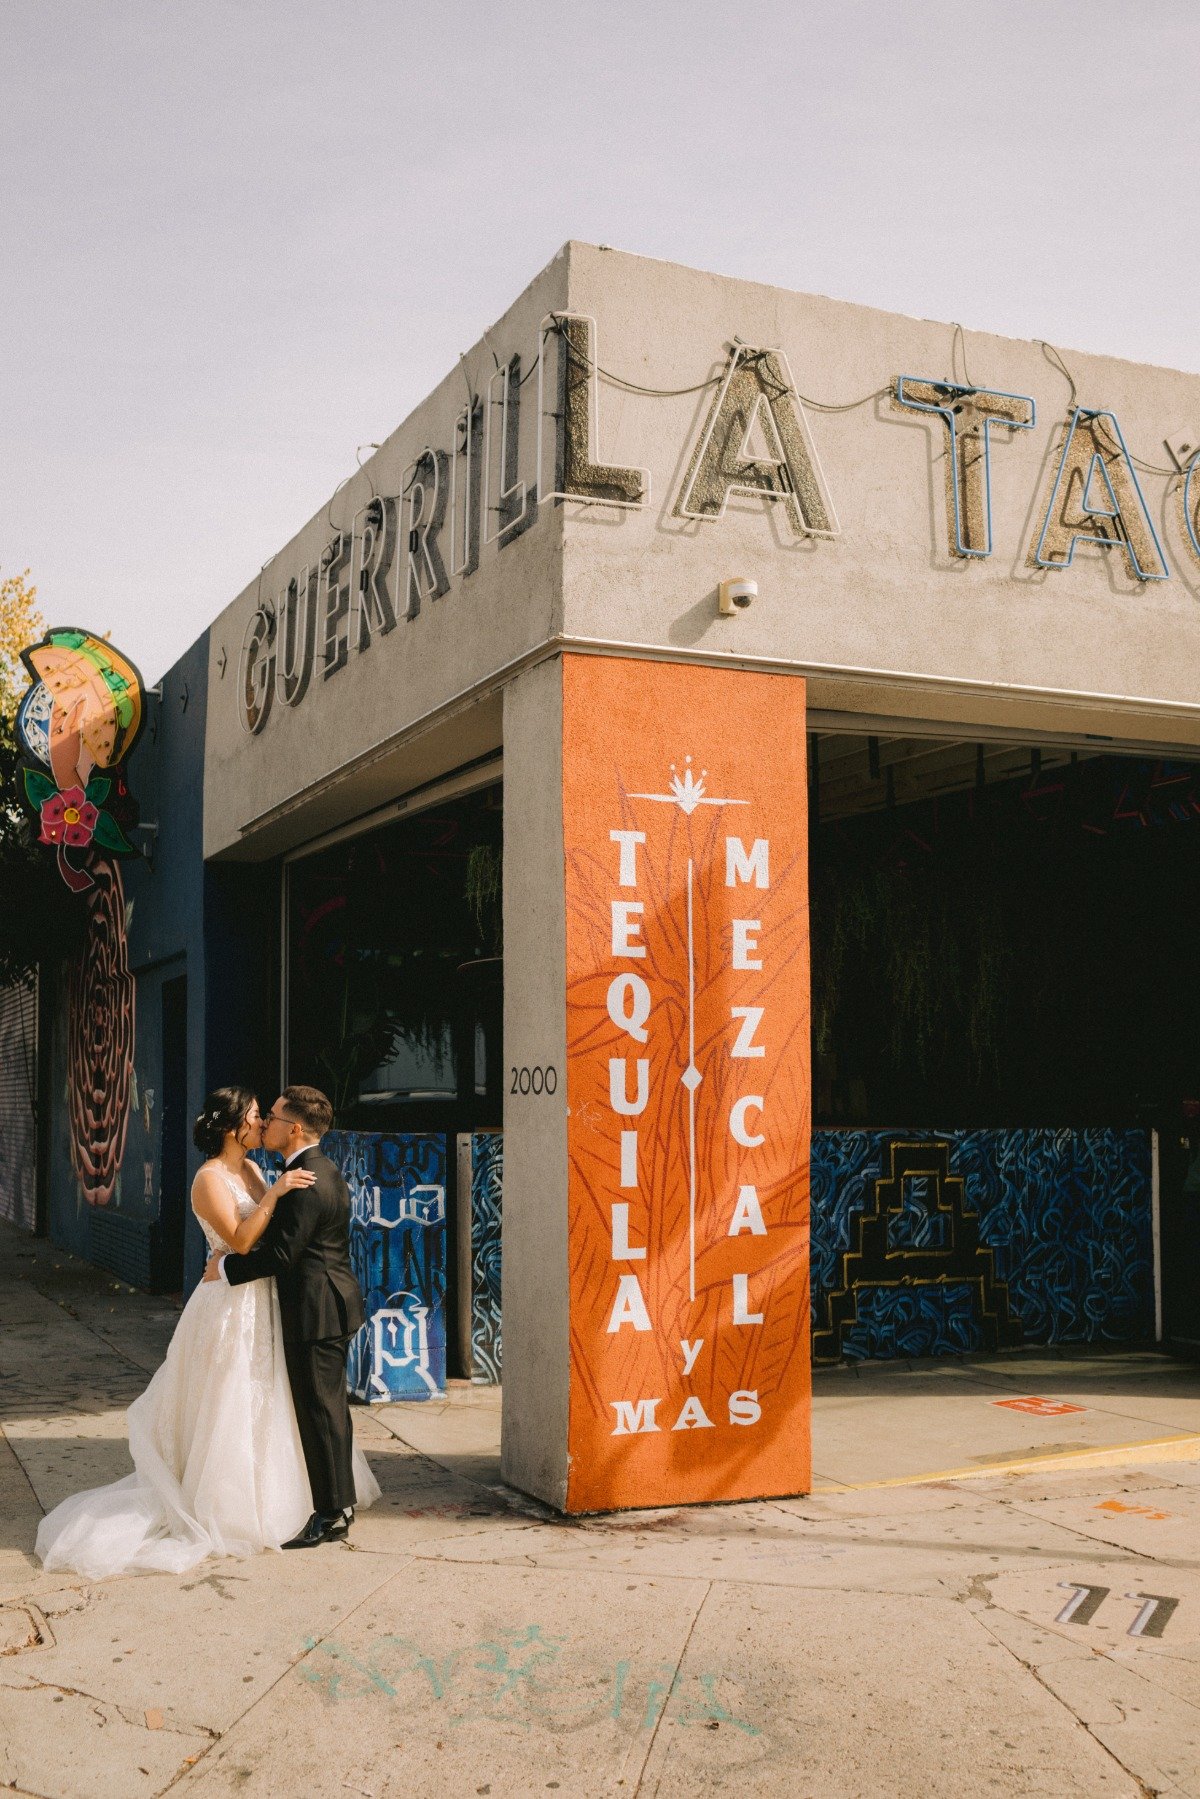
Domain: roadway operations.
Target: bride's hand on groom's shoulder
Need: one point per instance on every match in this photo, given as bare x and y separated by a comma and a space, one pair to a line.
289, 1181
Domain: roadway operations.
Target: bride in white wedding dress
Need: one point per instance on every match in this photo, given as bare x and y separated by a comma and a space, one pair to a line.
218, 1467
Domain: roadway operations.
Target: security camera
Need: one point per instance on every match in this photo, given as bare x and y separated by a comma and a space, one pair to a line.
735, 596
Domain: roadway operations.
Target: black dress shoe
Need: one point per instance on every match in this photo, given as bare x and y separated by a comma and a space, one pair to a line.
322, 1528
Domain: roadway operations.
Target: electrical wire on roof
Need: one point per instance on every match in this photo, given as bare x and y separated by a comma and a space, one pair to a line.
333, 496
462, 363
959, 342
1147, 468
358, 458
582, 360
672, 393
1052, 354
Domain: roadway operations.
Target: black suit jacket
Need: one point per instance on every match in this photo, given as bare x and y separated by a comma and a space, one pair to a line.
306, 1246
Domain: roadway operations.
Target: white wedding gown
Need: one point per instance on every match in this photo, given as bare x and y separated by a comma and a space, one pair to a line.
218, 1468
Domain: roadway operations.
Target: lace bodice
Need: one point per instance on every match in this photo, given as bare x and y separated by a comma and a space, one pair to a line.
245, 1205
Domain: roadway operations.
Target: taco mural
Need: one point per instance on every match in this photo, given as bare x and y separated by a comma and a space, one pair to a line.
77, 725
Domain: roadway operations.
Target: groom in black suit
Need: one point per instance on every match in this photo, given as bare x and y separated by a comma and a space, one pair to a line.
306, 1247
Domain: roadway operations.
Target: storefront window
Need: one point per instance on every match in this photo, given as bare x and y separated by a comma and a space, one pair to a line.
394, 987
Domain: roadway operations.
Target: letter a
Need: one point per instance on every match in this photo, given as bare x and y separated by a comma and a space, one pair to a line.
693, 1416
747, 1214
758, 400
1096, 498
629, 1307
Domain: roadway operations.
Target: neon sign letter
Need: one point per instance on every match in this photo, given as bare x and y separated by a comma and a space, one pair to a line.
968, 414
1096, 498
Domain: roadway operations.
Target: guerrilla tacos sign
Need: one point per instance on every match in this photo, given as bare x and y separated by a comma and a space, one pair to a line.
404, 551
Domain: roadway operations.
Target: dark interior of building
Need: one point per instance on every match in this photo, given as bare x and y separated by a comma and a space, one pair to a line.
1004, 935
394, 987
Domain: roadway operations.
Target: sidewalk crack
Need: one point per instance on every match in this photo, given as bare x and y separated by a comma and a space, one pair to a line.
1145, 1791
24, 1470
708, 1587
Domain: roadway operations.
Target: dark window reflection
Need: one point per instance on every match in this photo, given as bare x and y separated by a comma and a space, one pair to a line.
394, 996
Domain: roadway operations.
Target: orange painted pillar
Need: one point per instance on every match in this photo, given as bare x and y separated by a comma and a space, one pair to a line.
688, 1083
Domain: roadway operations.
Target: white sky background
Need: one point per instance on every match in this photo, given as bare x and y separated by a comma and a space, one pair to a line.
240, 239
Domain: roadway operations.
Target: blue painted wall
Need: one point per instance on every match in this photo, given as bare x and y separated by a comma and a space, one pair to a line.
487, 1185
924, 1243
933, 1243
397, 1185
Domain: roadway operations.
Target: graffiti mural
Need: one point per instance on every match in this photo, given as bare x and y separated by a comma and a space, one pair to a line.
928, 1243
487, 1180
397, 1188
100, 1039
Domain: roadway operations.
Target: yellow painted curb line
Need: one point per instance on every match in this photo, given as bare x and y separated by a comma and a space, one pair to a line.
1117, 1455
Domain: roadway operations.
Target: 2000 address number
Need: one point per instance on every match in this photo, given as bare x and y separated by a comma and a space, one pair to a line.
534, 1080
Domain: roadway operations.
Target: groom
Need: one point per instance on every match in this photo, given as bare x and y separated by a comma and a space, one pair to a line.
306, 1247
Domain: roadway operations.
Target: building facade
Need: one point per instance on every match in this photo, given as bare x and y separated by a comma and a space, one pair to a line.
498, 803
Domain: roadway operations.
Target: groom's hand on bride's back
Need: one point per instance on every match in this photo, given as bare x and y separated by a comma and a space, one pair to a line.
212, 1269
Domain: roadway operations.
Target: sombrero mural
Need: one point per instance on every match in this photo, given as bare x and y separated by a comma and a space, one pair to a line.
77, 726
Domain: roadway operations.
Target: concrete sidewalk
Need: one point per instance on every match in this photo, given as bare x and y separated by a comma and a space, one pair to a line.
1035, 1633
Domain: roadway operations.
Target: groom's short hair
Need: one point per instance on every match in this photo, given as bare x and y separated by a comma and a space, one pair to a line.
308, 1106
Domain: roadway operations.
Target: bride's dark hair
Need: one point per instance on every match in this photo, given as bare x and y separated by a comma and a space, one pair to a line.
224, 1111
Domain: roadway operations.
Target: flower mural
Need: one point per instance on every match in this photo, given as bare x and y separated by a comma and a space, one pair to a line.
68, 817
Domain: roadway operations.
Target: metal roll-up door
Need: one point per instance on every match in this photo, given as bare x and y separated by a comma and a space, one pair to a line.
18, 1097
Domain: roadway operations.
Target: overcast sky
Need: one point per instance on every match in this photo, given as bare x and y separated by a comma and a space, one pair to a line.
242, 238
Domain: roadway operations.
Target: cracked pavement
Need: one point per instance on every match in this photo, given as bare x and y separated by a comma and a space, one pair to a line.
1032, 1633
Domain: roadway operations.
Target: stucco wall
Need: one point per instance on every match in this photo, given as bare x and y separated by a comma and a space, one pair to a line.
534, 1281
266, 793
988, 638
886, 594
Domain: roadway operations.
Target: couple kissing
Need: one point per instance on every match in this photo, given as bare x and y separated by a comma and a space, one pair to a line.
242, 1441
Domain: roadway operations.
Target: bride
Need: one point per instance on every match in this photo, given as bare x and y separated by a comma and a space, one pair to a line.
218, 1467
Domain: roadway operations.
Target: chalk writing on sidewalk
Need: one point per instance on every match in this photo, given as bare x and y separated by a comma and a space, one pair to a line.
522, 1676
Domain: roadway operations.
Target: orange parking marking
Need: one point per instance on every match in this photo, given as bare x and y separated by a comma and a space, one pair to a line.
1039, 1408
